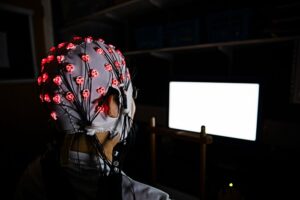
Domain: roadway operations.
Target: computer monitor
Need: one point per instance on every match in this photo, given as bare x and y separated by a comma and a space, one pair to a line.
227, 109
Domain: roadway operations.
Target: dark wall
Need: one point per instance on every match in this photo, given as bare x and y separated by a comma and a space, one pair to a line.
38, 16
25, 130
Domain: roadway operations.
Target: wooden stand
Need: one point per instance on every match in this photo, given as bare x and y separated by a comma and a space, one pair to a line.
203, 139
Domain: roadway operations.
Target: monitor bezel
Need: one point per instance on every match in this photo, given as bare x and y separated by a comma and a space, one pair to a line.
223, 139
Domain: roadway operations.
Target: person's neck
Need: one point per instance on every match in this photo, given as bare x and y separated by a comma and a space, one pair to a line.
83, 144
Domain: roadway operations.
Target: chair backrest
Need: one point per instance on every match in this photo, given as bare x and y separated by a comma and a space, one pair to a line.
202, 138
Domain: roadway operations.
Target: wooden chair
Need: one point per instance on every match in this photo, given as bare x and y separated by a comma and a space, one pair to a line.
202, 138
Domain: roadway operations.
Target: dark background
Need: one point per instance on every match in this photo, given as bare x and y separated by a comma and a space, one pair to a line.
236, 41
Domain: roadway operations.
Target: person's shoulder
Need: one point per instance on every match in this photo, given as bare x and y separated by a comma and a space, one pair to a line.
33, 173
133, 189
30, 185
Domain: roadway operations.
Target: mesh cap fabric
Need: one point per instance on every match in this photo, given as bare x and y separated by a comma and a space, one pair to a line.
74, 81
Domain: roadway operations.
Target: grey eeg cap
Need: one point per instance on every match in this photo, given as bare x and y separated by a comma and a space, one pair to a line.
74, 80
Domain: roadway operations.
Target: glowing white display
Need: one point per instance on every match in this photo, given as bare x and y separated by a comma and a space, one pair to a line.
225, 109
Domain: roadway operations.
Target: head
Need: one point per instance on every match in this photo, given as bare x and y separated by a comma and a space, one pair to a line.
87, 89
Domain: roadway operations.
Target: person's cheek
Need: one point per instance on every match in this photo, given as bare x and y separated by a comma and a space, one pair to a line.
133, 108
113, 109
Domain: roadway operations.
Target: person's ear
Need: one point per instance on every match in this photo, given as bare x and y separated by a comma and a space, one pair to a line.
113, 106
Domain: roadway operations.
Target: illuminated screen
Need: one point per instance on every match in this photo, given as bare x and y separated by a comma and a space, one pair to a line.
225, 109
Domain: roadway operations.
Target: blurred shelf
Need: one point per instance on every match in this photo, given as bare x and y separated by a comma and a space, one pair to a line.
118, 13
213, 45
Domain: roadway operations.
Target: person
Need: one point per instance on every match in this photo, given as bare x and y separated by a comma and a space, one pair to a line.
86, 88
